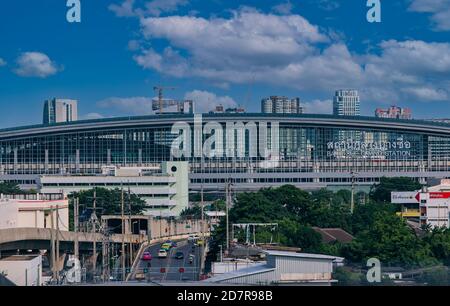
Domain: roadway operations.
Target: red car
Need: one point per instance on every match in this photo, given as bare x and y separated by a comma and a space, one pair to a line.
146, 256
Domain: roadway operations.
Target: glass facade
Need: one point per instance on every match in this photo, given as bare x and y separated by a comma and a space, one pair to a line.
303, 148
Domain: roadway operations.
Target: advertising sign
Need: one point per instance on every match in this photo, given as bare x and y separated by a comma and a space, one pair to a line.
404, 197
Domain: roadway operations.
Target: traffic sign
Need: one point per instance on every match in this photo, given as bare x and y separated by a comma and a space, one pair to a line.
181, 270
163, 270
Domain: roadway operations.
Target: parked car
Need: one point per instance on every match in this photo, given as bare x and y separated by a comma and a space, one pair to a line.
146, 256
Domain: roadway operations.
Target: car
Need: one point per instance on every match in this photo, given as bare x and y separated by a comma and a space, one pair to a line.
146, 256
162, 253
166, 246
193, 237
179, 255
173, 244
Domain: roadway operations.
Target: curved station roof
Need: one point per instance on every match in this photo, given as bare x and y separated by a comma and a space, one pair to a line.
307, 120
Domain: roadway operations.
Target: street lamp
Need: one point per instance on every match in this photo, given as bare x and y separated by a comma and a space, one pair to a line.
352, 201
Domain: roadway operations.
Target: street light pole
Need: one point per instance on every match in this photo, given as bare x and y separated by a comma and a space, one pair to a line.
130, 229
94, 229
352, 201
227, 192
76, 222
123, 235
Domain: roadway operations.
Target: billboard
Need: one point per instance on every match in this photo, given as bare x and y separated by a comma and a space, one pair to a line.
404, 197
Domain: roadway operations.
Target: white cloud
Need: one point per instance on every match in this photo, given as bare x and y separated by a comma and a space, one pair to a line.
35, 64
283, 8
152, 8
157, 7
2, 62
318, 107
128, 106
133, 45
439, 10
230, 50
427, 93
288, 51
90, 116
205, 101
170, 62
328, 5
126, 9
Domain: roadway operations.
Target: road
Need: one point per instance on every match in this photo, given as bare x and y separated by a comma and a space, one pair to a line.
168, 269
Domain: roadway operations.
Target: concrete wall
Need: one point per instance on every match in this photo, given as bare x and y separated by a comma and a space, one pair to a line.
33, 214
163, 227
22, 270
181, 172
8, 215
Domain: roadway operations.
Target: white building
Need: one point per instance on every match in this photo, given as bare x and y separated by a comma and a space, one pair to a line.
433, 203
284, 268
346, 102
164, 188
281, 105
22, 270
214, 217
34, 211
60, 110
231, 265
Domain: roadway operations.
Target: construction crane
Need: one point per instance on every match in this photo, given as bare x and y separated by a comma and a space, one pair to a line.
160, 91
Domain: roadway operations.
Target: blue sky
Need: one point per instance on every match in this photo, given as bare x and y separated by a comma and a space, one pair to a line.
222, 51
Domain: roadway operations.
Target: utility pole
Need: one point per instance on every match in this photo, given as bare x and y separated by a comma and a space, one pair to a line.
57, 244
227, 207
76, 219
52, 243
352, 201
130, 224
94, 229
105, 252
123, 234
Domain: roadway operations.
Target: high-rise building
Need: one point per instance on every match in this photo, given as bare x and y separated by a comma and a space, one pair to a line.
281, 105
346, 102
60, 110
394, 112
231, 110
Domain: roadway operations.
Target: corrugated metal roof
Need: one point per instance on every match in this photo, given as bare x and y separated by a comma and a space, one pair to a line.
255, 269
302, 255
264, 267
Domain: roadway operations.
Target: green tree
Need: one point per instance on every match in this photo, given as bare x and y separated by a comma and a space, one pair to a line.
391, 241
12, 188
346, 277
382, 192
194, 212
109, 201
218, 205
294, 234
364, 215
438, 240
436, 277
256, 207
